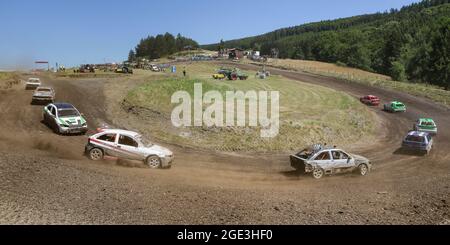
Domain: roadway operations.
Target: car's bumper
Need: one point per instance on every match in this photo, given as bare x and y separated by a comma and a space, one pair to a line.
415, 147
166, 162
399, 110
43, 98
74, 130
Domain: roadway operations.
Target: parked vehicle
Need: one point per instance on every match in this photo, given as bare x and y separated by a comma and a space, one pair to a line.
64, 118
233, 74
320, 161
124, 69
43, 94
395, 106
418, 141
155, 68
127, 145
371, 100
218, 76
425, 125
33, 83
85, 69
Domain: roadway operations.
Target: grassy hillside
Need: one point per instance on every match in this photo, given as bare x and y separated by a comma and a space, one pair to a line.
308, 113
407, 44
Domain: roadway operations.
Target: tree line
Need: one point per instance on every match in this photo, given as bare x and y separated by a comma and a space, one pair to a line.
155, 47
408, 44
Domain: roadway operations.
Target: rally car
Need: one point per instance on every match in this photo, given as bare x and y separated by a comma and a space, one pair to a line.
395, 106
43, 94
425, 125
320, 160
64, 118
418, 141
32, 83
127, 145
371, 100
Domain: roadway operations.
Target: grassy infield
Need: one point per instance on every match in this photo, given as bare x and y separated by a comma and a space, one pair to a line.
308, 113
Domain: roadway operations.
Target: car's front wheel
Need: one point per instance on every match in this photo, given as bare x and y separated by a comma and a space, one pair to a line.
363, 169
95, 154
153, 162
318, 173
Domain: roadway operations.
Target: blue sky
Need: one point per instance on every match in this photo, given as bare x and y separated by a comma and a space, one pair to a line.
94, 31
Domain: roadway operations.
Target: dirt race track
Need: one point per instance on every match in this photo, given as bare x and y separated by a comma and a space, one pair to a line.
47, 180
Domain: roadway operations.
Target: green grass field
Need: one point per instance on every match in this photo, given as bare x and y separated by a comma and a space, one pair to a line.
308, 113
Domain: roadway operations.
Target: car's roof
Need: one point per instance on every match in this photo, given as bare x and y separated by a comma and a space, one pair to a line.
417, 133
397, 102
120, 131
44, 88
426, 120
64, 106
33, 78
318, 147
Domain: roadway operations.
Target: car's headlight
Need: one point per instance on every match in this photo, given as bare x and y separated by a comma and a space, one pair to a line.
84, 124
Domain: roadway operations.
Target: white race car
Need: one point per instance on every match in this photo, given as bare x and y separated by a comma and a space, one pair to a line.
33, 83
127, 145
320, 161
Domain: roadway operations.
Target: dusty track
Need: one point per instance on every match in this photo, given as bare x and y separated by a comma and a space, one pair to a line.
47, 180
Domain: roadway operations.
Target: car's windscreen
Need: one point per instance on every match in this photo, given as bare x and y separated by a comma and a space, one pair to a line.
68, 113
427, 123
43, 90
415, 138
144, 141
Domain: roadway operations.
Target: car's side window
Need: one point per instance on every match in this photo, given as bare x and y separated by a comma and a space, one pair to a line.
126, 140
323, 156
339, 155
53, 111
108, 137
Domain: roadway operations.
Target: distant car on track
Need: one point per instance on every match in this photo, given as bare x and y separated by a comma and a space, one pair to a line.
64, 118
127, 145
395, 106
43, 94
33, 83
425, 125
370, 100
418, 141
321, 161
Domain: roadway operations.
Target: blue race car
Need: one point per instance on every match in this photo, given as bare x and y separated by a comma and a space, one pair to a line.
418, 141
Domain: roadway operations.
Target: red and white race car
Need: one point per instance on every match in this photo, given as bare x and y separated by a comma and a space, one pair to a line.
127, 145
